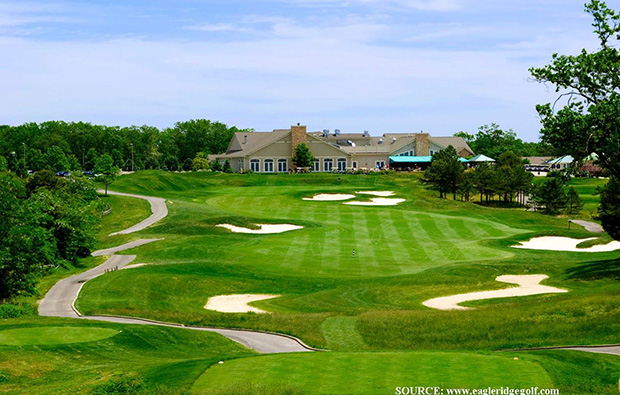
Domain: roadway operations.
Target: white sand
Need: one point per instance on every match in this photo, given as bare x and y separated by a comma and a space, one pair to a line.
263, 228
236, 303
528, 285
557, 243
135, 265
376, 193
378, 202
330, 197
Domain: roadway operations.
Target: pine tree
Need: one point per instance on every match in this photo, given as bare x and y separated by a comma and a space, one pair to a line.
574, 204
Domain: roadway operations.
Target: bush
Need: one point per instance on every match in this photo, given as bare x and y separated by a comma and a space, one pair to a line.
17, 310
118, 386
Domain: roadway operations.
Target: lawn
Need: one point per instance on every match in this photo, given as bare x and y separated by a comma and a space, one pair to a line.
367, 307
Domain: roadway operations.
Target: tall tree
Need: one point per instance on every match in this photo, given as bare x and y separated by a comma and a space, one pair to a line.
25, 247
445, 173
106, 169
589, 85
56, 160
609, 210
302, 156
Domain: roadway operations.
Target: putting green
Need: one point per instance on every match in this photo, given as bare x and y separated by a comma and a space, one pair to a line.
357, 373
46, 336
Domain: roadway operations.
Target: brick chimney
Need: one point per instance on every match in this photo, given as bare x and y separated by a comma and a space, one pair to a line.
422, 144
298, 136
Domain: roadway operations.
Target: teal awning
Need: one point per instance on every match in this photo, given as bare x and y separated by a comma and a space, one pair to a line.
410, 159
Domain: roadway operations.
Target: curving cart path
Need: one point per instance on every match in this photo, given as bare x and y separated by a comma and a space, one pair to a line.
60, 300
589, 226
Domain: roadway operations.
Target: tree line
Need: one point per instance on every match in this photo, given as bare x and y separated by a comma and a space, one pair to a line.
507, 179
75, 146
492, 141
46, 222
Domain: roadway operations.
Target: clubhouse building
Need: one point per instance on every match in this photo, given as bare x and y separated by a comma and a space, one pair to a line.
272, 152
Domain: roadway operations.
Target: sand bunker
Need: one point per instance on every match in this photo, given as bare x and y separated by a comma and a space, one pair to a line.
376, 193
528, 285
263, 228
237, 303
378, 202
557, 243
330, 197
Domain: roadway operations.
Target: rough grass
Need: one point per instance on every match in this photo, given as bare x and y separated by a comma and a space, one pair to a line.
156, 357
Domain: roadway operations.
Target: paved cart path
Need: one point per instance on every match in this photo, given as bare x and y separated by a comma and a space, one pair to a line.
60, 300
589, 226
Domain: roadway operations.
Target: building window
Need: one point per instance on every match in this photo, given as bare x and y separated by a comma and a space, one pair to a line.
328, 164
342, 164
355, 165
432, 152
316, 165
380, 164
282, 165
268, 165
255, 165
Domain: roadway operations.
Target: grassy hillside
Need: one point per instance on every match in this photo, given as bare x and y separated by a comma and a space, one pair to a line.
404, 254
366, 308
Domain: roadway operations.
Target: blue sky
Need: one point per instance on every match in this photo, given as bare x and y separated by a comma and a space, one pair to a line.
440, 66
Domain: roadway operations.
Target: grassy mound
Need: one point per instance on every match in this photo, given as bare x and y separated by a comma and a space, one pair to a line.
52, 335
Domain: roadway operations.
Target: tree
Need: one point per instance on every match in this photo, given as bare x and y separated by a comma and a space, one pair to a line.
493, 141
151, 163
187, 165
550, 195
4, 166
227, 168
90, 159
25, 246
216, 165
511, 178
302, 156
609, 210
200, 162
56, 160
589, 86
445, 173
482, 180
574, 204
107, 171
171, 163
74, 164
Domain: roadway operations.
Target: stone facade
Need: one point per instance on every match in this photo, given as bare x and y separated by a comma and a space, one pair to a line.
298, 136
422, 144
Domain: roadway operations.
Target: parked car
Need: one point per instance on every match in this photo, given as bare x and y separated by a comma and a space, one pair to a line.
63, 174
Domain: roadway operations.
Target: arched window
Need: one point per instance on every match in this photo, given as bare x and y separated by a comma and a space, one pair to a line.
316, 165
282, 165
328, 164
255, 165
342, 164
268, 165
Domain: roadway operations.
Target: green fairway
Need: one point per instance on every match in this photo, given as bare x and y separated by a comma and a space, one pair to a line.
424, 248
376, 373
53, 335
